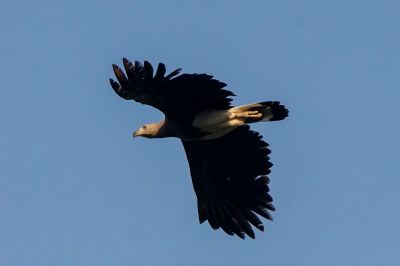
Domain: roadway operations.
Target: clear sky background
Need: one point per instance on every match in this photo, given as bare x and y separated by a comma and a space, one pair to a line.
76, 189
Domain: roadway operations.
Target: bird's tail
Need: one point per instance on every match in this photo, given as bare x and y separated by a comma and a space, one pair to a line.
256, 112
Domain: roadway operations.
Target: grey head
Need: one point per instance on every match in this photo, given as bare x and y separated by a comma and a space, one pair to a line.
148, 130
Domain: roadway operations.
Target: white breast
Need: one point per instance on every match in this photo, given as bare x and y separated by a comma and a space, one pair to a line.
217, 122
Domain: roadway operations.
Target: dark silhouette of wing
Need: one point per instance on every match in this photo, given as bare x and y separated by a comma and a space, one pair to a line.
229, 177
180, 97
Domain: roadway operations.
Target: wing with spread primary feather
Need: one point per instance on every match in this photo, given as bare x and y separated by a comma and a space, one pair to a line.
229, 177
180, 97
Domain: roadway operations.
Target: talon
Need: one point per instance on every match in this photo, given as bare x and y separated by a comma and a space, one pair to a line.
253, 114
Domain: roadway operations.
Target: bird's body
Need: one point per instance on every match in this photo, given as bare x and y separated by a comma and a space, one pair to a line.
228, 162
212, 124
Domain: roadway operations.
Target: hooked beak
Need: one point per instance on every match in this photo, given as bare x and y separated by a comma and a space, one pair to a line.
135, 134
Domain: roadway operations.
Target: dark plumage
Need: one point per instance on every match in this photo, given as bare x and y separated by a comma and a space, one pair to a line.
228, 162
171, 93
229, 177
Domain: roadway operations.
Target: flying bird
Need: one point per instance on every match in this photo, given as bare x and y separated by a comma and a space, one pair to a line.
229, 163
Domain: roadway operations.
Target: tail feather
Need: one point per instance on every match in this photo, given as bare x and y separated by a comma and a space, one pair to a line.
273, 111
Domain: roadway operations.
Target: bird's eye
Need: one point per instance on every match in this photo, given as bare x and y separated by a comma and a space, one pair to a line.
144, 127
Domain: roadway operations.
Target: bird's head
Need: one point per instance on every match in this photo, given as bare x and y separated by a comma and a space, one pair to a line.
147, 131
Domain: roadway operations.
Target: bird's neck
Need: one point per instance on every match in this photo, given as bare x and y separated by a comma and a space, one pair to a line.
164, 130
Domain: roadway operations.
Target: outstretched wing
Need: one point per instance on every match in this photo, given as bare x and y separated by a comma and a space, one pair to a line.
178, 96
229, 177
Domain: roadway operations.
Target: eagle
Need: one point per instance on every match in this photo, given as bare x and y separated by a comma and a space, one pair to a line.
229, 163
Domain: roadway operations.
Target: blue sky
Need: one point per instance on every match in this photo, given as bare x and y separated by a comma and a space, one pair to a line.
76, 189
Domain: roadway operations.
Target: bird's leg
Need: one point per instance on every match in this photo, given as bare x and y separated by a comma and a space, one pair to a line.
246, 114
